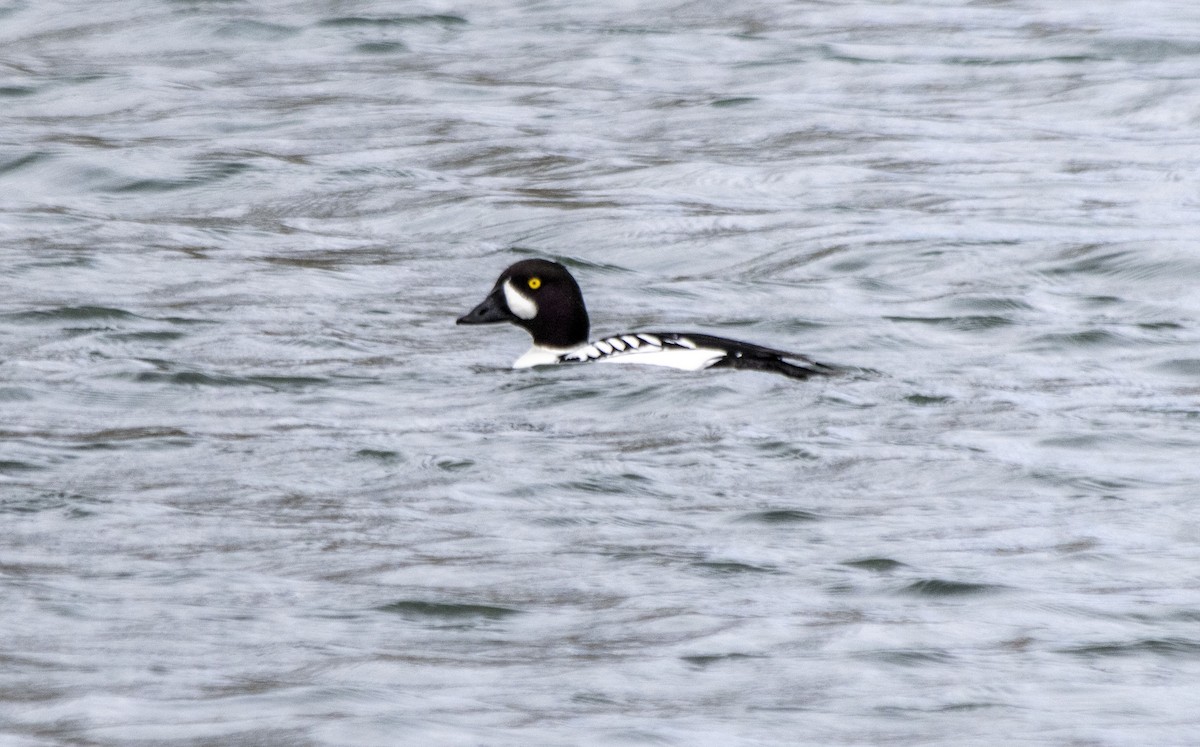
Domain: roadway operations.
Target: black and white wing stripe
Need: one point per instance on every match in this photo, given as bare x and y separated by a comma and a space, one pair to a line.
693, 352
617, 345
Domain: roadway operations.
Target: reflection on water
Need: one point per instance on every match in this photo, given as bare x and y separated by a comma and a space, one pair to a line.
256, 487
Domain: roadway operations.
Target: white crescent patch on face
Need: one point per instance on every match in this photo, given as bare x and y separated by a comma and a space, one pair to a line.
518, 303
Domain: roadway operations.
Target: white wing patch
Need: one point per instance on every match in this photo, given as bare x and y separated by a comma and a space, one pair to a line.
648, 350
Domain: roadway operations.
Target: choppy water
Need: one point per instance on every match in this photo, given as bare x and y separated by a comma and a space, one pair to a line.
256, 488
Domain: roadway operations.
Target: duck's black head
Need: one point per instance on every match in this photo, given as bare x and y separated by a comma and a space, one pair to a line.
540, 296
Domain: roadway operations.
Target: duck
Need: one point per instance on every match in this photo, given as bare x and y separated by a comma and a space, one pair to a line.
544, 299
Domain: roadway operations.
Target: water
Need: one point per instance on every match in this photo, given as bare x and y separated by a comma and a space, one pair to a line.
257, 488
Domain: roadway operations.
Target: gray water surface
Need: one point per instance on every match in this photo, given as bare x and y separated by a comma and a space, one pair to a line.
257, 488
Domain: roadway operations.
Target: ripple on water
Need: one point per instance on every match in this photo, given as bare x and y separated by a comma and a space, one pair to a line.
72, 314
624, 483
1185, 367
198, 175
782, 516
1087, 338
380, 47
250, 30
387, 21
704, 661
730, 568
996, 304
71, 505
970, 323
453, 613
1169, 647
447, 464
912, 657
879, 565
380, 455
1135, 264
122, 438
8, 466
13, 92
941, 588
16, 164
203, 379
929, 400
160, 335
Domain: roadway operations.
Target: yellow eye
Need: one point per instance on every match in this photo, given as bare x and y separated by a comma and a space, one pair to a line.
535, 283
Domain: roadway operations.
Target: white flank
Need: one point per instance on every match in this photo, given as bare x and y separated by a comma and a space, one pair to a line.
539, 356
614, 350
518, 303
648, 352
684, 359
